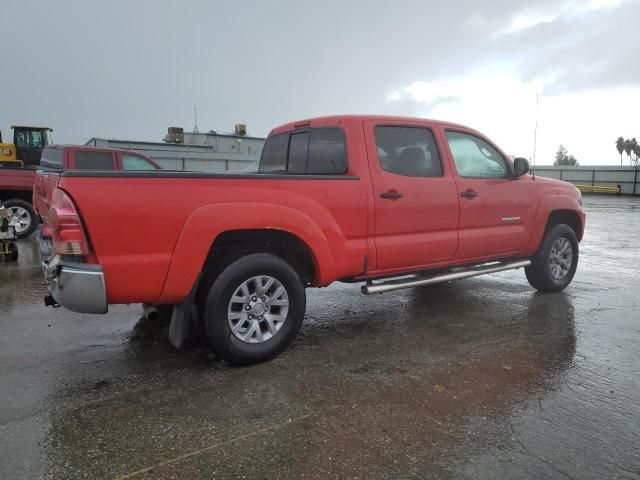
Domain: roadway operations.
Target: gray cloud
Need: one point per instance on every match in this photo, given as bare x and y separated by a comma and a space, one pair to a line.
130, 69
579, 51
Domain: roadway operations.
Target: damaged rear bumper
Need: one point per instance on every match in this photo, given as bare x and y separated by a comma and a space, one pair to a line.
77, 286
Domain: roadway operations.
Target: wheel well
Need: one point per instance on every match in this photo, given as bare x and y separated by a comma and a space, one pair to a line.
231, 245
567, 217
25, 195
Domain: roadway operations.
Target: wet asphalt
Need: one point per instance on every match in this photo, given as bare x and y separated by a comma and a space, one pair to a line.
480, 378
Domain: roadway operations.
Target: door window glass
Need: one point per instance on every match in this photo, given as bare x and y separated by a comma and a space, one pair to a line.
134, 162
475, 158
86, 160
409, 151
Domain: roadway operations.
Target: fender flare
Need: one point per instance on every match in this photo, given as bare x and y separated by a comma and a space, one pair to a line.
546, 206
207, 222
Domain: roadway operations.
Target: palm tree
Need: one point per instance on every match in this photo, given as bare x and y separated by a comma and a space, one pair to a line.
628, 148
620, 147
635, 149
636, 152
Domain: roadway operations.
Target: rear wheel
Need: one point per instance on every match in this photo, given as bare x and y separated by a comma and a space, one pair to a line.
253, 308
24, 217
555, 263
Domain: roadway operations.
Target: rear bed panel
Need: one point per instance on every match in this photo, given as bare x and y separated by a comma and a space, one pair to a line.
134, 222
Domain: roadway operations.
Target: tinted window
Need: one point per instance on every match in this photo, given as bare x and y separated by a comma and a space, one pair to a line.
475, 158
86, 160
317, 151
409, 151
134, 162
274, 154
327, 151
298, 148
52, 158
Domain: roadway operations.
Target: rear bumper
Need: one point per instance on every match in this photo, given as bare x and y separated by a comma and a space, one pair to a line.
78, 287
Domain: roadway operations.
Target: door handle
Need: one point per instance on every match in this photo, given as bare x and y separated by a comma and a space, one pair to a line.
391, 195
469, 194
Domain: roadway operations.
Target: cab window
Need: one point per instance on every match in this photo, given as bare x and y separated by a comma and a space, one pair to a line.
475, 158
316, 151
30, 139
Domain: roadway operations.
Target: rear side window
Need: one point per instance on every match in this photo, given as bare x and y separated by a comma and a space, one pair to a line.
274, 154
52, 158
86, 160
134, 162
318, 151
408, 151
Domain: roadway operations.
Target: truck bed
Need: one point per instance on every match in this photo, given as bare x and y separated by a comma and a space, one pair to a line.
178, 206
16, 177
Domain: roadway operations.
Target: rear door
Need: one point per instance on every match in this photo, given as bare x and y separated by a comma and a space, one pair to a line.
495, 213
415, 197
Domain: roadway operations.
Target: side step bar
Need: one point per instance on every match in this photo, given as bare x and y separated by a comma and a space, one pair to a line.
454, 274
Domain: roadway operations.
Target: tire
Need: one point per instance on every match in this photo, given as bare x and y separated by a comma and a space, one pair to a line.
244, 329
13, 252
554, 265
27, 214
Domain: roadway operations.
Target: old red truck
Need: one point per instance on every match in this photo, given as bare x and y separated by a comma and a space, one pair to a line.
390, 202
17, 180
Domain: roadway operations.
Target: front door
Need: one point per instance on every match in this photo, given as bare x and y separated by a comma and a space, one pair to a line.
415, 197
495, 212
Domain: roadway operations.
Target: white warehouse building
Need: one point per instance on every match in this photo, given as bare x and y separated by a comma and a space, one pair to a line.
196, 151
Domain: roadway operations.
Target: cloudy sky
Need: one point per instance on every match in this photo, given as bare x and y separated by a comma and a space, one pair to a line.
130, 68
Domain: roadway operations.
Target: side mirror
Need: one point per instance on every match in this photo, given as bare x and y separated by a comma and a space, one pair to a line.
520, 166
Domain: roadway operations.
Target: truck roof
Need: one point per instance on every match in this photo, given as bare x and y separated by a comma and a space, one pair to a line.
339, 119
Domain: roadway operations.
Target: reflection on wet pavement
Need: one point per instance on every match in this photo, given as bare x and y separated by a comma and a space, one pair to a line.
480, 378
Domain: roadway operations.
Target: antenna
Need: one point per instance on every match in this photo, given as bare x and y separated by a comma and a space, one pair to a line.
535, 135
195, 119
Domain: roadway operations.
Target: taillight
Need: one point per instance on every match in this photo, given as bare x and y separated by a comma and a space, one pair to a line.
67, 232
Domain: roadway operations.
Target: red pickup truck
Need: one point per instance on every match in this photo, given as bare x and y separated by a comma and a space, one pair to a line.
17, 181
390, 202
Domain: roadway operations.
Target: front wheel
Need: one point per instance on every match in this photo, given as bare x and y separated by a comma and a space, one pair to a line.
555, 263
254, 309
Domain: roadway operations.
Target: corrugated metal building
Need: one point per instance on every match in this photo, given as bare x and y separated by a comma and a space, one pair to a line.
207, 152
627, 178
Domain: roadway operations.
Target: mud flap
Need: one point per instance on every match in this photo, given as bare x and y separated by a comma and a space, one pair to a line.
181, 318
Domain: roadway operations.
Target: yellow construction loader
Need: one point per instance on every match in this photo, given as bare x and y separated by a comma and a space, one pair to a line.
28, 142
